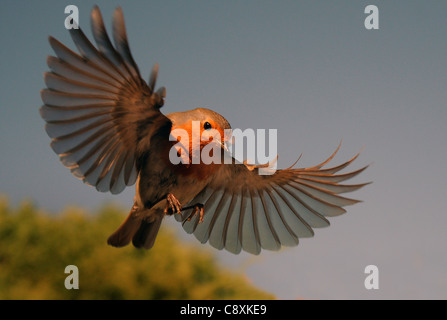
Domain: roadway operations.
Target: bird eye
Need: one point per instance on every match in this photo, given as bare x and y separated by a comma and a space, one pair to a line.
207, 125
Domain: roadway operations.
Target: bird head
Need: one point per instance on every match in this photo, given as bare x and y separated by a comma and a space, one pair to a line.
203, 126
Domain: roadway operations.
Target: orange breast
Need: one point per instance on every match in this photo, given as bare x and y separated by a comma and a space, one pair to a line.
199, 171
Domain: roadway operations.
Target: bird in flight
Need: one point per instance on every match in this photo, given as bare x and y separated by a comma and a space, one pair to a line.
105, 124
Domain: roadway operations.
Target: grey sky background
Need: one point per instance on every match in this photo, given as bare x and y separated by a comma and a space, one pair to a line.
307, 68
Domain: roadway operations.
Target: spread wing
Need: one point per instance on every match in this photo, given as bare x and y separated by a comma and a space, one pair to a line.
247, 211
100, 114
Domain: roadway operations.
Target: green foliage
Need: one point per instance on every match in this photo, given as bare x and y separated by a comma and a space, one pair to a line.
35, 248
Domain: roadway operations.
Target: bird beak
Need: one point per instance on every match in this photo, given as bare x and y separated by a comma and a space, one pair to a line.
224, 146
228, 141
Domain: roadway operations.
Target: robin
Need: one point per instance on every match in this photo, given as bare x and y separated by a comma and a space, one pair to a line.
106, 126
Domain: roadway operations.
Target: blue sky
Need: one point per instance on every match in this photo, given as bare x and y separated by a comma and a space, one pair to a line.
309, 69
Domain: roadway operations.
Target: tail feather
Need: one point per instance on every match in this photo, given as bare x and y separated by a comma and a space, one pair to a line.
123, 235
141, 227
147, 232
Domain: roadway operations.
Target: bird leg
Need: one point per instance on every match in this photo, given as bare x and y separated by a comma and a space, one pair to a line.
173, 205
197, 209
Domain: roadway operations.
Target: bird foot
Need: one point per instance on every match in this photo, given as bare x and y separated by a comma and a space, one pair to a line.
173, 205
197, 209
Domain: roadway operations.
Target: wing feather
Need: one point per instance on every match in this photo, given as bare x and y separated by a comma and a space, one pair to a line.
100, 114
268, 235
286, 235
251, 212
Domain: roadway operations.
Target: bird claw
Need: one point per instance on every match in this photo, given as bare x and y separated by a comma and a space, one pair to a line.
197, 209
173, 204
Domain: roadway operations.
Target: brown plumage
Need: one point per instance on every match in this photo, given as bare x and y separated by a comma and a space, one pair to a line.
106, 126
